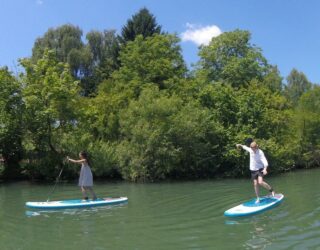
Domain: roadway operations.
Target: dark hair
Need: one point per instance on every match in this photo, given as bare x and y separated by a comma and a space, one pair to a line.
248, 141
84, 154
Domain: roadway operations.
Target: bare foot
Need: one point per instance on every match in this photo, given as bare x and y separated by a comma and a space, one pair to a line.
257, 201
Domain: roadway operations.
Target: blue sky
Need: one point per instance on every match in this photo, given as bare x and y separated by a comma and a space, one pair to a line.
287, 31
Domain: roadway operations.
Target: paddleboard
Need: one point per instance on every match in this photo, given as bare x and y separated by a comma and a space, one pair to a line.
251, 207
65, 204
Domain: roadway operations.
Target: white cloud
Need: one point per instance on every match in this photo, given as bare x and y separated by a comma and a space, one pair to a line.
40, 2
200, 35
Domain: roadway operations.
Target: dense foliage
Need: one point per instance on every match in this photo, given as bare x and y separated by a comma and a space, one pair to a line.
131, 102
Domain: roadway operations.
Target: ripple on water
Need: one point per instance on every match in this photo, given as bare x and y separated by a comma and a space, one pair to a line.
187, 215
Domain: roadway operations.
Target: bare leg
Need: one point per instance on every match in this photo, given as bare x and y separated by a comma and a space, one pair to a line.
256, 189
84, 193
94, 197
265, 185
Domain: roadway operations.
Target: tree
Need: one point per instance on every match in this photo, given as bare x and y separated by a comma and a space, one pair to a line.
62, 40
231, 58
297, 84
50, 95
164, 137
11, 108
252, 111
155, 59
273, 80
307, 127
142, 23
89, 63
104, 48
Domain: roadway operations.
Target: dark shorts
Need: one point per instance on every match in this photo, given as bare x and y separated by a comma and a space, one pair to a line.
255, 174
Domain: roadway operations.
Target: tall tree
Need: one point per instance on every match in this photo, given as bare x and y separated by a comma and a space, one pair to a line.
90, 63
155, 59
62, 40
11, 107
104, 48
307, 121
231, 58
142, 23
297, 84
273, 80
50, 96
68, 47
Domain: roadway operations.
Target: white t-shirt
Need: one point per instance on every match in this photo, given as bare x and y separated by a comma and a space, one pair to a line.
257, 159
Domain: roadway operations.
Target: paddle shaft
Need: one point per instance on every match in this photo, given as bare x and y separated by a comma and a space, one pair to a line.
54, 187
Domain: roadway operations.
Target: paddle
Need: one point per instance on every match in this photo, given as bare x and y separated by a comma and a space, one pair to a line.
54, 187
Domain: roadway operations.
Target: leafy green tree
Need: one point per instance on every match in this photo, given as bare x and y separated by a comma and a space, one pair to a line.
297, 84
104, 48
163, 137
155, 59
307, 127
11, 108
273, 80
89, 63
66, 42
50, 95
231, 58
148, 118
254, 111
266, 116
142, 23
63, 40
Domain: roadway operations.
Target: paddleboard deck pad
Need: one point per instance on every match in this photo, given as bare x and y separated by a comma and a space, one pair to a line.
65, 204
251, 207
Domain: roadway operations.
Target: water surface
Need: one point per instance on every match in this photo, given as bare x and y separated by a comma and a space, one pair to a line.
180, 215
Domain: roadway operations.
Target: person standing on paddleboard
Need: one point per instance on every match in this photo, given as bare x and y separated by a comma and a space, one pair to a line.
258, 167
86, 178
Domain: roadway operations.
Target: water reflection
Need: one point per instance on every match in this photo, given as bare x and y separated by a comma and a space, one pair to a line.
187, 215
260, 235
258, 227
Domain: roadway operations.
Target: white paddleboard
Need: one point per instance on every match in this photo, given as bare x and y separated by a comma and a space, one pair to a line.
251, 207
65, 204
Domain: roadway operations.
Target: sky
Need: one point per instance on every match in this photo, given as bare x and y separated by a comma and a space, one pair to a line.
287, 31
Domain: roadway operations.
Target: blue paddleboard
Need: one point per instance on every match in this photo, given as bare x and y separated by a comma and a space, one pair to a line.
250, 207
65, 204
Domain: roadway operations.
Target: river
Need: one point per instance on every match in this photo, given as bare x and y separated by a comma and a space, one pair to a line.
170, 215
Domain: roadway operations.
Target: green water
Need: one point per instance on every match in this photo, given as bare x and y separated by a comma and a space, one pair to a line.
184, 215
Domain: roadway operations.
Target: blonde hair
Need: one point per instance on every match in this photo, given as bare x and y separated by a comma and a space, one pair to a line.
253, 145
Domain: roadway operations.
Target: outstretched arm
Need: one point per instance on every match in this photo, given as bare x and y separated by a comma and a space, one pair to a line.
75, 161
243, 147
